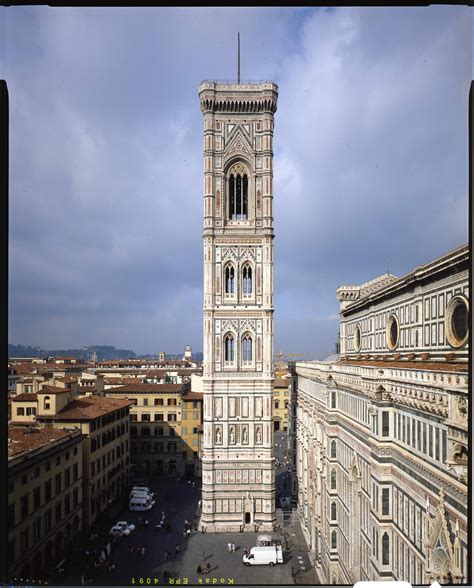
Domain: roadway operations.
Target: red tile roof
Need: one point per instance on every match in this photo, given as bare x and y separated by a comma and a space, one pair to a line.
24, 439
53, 390
193, 396
282, 382
413, 365
88, 408
26, 397
138, 387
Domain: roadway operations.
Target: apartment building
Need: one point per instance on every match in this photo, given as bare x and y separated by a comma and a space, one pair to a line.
44, 497
106, 453
281, 399
165, 421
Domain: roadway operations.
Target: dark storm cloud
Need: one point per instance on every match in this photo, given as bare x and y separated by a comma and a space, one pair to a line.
106, 161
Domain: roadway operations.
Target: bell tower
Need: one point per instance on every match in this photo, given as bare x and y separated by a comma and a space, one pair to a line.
238, 473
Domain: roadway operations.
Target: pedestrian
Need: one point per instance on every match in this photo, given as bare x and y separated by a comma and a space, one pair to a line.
233, 547
199, 569
177, 548
194, 484
188, 532
208, 567
229, 547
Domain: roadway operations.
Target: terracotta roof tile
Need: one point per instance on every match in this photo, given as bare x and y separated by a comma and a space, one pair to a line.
53, 390
138, 387
25, 397
413, 365
24, 439
87, 408
193, 396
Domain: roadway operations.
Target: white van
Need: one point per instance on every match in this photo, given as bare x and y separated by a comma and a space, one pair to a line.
143, 489
140, 504
141, 494
264, 556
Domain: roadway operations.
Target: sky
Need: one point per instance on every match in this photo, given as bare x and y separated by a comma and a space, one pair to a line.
106, 162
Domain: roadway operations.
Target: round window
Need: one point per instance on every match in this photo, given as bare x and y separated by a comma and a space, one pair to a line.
457, 321
357, 338
392, 332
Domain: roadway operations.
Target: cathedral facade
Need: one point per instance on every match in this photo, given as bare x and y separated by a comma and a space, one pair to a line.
381, 433
238, 479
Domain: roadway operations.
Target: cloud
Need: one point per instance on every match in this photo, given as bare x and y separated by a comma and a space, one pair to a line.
106, 161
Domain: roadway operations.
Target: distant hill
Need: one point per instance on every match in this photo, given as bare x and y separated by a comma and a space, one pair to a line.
103, 352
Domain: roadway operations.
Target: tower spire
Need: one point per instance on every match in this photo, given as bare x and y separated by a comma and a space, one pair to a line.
238, 58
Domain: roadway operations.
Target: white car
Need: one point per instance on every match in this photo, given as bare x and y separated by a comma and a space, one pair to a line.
119, 531
124, 525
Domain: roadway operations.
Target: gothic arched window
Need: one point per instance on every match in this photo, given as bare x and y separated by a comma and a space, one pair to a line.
333, 449
247, 280
238, 194
333, 479
247, 349
385, 549
229, 347
333, 540
333, 511
229, 280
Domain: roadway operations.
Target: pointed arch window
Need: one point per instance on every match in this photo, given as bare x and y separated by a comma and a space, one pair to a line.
229, 348
247, 349
247, 280
333, 449
238, 195
229, 279
385, 549
333, 540
333, 479
333, 511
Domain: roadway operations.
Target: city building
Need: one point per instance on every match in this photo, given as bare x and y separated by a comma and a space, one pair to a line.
44, 498
165, 427
238, 473
106, 450
281, 405
381, 432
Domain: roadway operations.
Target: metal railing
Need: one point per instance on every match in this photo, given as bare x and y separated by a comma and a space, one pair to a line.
237, 82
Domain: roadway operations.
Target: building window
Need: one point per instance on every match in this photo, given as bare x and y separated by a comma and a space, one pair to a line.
158, 417
247, 349
158, 402
229, 279
333, 478
333, 540
357, 338
172, 417
392, 333
24, 541
457, 321
46, 403
333, 399
24, 507
171, 402
58, 483
238, 196
58, 511
247, 280
385, 549
333, 511
333, 449
385, 423
37, 497
385, 501
229, 348
20, 411
145, 417
37, 530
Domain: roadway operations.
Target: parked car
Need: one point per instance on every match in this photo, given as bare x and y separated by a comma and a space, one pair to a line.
125, 525
119, 531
